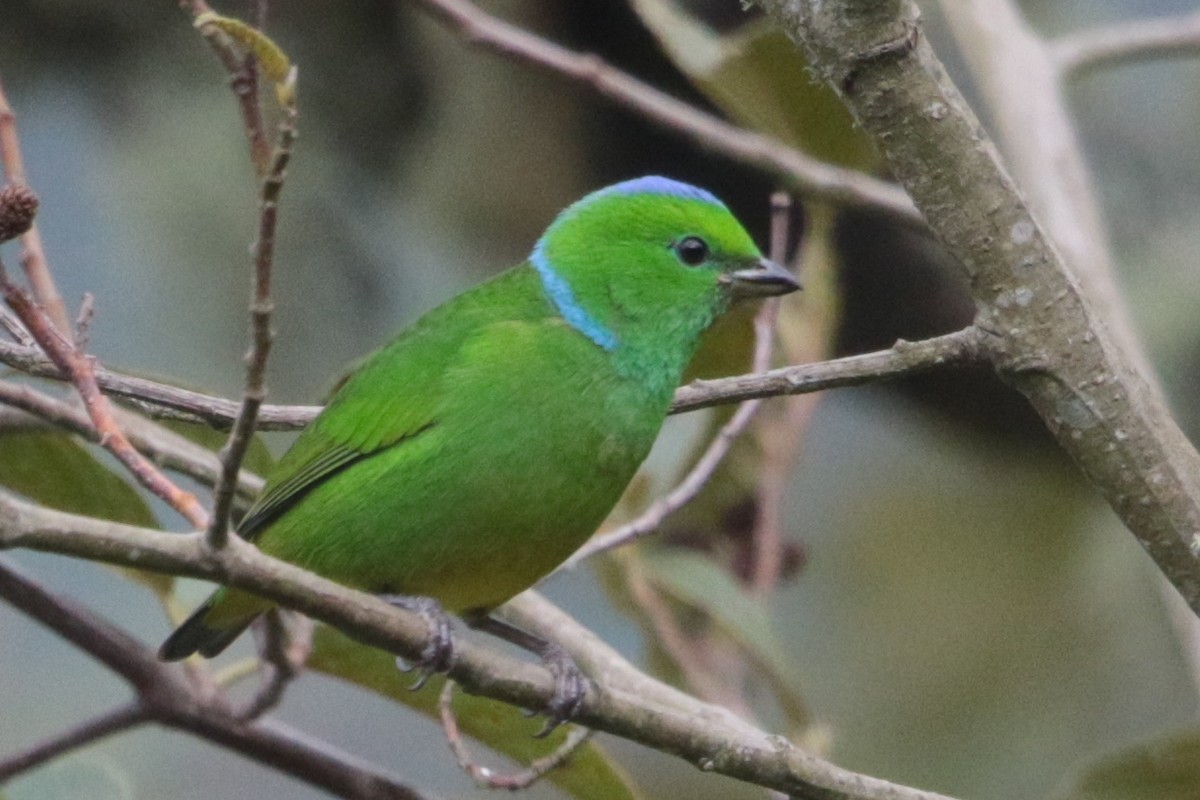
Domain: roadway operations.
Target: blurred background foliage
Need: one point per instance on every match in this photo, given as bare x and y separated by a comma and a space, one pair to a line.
957, 611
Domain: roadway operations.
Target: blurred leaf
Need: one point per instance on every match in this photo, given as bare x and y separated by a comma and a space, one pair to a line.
762, 81
56, 471
691, 578
1166, 769
589, 775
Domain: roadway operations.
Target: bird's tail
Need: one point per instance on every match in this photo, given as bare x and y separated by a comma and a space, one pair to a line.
213, 626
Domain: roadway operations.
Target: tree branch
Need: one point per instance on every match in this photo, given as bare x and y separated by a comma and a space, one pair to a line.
167, 449
115, 721
261, 306
682, 726
165, 697
941, 352
804, 174
1043, 335
1085, 51
33, 256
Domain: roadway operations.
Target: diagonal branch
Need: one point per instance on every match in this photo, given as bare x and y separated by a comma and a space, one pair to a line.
167, 449
165, 697
1085, 51
106, 724
1044, 336
801, 172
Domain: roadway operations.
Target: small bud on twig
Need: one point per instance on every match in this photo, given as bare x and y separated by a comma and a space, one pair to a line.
18, 207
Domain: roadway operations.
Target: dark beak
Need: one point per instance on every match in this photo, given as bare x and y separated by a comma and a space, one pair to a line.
764, 279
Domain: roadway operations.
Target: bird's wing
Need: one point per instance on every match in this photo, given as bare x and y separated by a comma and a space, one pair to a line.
397, 393
393, 396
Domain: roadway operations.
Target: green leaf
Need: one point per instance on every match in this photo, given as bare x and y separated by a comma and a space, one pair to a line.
590, 774
53, 469
692, 579
758, 77
1165, 769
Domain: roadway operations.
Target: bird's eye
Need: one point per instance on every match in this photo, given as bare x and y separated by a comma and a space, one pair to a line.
692, 250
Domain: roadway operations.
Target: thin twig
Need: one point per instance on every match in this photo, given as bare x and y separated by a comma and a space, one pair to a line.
688, 653
15, 329
234, 451
961, 348
83, 734
767, 538
73, 362
488, 778
83, 320
687, 489
1085, 51
801, 172
958, 349
243, 80
283, 651
33, 255
166, 448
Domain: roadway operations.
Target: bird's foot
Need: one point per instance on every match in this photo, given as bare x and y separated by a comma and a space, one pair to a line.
570, 684
570, 687
439, 653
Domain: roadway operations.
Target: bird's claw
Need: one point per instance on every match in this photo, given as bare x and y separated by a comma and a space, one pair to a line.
570, 688
439, 653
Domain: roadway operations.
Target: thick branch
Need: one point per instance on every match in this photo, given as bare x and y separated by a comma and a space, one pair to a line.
1045, 338
684, 727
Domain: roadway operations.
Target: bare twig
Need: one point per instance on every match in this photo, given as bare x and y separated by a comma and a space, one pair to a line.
166, 698
243, 80
33, 255
160, 399
691, 654
73, 362
488, 778
801, 172
956, 349
1085, 51
767, 538
234, 451
15, 329
679, 725
282, 655
687, 489
106, 724
83, 320
165, 448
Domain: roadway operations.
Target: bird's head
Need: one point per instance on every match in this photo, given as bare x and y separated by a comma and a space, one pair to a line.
651, 259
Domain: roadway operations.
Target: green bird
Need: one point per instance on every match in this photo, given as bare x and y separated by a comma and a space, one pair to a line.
473, 454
